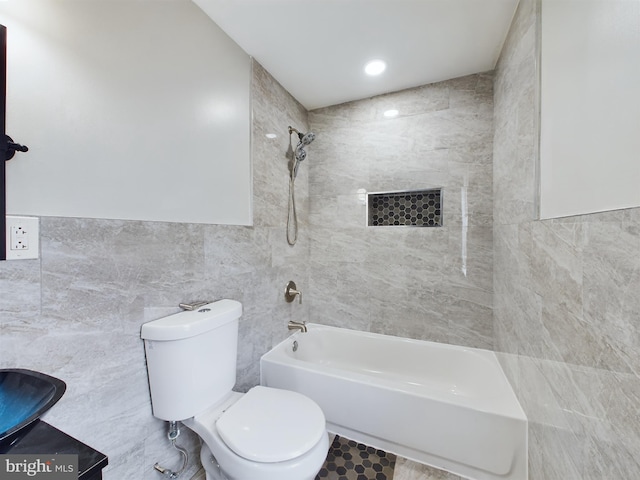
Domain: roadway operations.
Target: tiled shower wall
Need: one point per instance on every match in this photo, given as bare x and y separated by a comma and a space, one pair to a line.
76, 313
567, 303
430, 283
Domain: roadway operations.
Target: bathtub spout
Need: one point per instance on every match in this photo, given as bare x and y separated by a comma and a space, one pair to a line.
293, 325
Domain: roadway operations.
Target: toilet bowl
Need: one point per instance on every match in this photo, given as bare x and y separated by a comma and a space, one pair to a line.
264, 434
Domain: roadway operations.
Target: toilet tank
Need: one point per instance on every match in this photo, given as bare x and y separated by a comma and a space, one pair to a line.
191, 358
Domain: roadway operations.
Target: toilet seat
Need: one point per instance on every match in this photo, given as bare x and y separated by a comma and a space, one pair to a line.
270, 425
221, 462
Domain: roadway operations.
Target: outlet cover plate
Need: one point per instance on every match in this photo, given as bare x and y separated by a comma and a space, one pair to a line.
28, 228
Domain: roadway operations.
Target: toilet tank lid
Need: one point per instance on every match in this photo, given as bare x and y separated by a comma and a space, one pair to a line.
191, 323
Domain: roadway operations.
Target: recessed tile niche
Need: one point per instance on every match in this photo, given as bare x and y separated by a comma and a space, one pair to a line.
415, 208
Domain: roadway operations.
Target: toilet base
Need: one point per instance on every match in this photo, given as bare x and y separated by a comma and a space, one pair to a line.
210, 465
214, 472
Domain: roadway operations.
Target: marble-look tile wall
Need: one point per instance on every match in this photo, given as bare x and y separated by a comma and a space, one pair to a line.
426, 283
566, 304
76, 313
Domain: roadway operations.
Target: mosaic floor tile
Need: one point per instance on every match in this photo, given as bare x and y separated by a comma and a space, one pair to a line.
349, 460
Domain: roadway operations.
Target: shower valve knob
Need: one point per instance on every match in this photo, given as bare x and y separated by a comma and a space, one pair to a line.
291, 292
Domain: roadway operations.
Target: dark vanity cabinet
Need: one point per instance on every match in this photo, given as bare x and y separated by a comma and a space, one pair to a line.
43, 438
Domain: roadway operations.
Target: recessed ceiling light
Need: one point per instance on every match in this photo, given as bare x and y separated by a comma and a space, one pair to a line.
375, 67
391, 113
271, 135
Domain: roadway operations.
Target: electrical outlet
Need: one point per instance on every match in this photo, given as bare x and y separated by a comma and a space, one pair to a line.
19, 238
23, 238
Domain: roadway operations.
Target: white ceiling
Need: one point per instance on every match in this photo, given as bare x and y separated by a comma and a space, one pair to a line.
317, 49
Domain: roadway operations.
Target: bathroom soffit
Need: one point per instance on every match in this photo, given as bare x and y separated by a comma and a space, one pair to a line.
317, 49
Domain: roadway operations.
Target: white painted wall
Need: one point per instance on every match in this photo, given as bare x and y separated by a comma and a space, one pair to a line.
590, 106
133, 110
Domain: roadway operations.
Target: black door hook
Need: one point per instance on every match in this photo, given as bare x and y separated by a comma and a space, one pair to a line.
13, 147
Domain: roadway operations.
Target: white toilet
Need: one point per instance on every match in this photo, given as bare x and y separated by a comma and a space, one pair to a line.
265, 434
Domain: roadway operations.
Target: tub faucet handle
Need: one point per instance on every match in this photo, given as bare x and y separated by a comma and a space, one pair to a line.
291, 292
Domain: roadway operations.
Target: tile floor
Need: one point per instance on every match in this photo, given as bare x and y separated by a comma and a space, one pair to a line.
348, 460
408, 470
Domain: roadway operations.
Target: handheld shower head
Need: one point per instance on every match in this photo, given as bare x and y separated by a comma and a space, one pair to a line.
300, 154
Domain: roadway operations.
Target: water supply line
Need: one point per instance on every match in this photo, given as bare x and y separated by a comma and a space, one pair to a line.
172, 435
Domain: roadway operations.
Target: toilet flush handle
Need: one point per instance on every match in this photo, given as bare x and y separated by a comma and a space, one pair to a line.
193, 305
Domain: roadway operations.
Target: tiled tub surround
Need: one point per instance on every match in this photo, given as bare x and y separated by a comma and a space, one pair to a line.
463, 414
567, 303
76, 313
425, 283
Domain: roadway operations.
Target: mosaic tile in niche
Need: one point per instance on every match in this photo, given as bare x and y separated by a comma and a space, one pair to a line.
420, 208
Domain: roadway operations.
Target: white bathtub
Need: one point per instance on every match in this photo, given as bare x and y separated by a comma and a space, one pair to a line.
446, 406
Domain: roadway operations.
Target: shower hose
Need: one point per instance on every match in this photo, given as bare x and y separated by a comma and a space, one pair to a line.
292, 217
